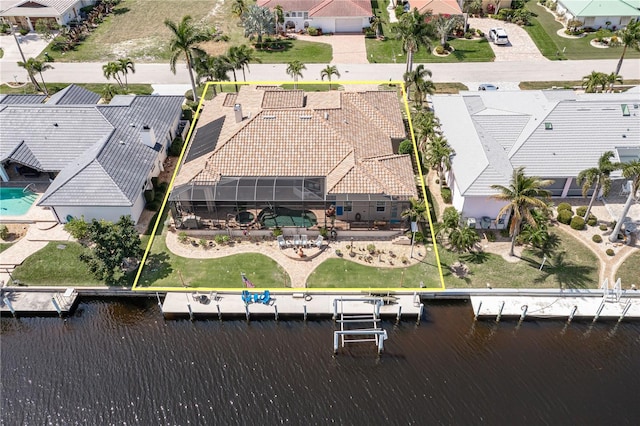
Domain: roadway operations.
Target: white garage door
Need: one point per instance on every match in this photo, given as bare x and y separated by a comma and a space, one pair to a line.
353, 25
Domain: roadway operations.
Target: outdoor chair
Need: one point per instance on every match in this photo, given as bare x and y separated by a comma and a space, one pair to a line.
318, 241
297, 241
626, 188
281, 242
305, 242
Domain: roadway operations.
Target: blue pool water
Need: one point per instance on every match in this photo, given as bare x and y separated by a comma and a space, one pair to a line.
15, 201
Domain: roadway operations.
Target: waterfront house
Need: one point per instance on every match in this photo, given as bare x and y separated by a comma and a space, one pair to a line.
272, 157
99, 157
554, 134
25, 13
599, 13
330, 16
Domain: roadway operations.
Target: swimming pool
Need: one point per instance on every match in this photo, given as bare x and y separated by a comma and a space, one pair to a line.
16, 201
283, 216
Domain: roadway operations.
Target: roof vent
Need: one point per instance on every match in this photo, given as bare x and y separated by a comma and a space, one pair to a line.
132, 125
305, 117
55, 124
548, 126
237, 109
626, 112
121, 142
326, 115
268, 117
148, 137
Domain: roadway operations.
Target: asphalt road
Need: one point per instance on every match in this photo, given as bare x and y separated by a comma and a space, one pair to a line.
490, 72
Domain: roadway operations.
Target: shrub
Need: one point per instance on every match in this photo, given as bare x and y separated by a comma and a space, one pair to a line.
564, 216
183, 237
446, 194
564, 206
399, 10
4, 231
440, 50
480, 33
577, 223
23, 31
278, 231
491, 236
371, 248
187, 114
312, 31
203, 243
220, 239
152, 205
581, 211
338, 253
78, 228
176, 147
596, 238
610, 252
592, 220
406, 147
4, 27
149, 195
504, 233
613, 224
603, 227
468, 35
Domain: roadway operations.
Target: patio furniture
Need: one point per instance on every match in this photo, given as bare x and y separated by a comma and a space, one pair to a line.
246, 296
626, 188
297, 241
304, 242
281, 242
318, 241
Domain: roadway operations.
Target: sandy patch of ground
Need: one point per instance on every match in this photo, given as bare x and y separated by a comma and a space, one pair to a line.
16, 231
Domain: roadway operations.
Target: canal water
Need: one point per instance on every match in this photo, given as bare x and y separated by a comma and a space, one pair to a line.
117, 362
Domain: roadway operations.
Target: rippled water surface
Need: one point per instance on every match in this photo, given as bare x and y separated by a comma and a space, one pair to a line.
118, 362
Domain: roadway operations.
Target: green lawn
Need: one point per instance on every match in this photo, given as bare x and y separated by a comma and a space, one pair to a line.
629, 271
163, 269
542, 85
544, 34
574, 267
307, 52
4, 246
138, 89
52, 266
384, 51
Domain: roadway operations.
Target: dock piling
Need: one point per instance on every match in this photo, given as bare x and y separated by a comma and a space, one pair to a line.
478, 311
246, 311
275, 307
56, 306
599, 311
190, 311
500, 311
525, 308
159, 303
219, 311
335, 309
573, 313
420, 313
625, 310
10, 306
399, 313
304, 310
336, 340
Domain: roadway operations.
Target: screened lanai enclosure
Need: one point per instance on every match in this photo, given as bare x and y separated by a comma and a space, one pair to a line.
269, 202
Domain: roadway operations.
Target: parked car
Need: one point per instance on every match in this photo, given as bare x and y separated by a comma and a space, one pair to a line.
498, 36
486, 86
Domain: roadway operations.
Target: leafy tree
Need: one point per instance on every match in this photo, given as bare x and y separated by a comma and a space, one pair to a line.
239, 8
376, 25
438, 155
463, 239
108, 92
258, 21
43, 28
630, 38
113, 244
328, 71
417, 211
126, 65
294, 70
594, 81
413, 32
450, 218
444, 25
35, 66
523, 194
419, 79
426, 126
631, 171
77, 228
612, 79
597, 177
184, 41
405, 147
213, 68
278, 13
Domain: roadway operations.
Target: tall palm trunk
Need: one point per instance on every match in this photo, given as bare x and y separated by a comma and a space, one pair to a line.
46, 92
614, 235
624, 50
193, 82
513, 239
593, 198
235, 79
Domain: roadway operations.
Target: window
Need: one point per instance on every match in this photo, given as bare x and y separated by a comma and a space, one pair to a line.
348, 206
306, 15
380, 206
625, 110
548, 126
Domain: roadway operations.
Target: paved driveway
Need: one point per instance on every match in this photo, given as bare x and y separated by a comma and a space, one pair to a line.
347, 48
31, 45
520, 47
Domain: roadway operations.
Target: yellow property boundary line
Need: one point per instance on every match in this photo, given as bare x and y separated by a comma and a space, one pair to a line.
291, 289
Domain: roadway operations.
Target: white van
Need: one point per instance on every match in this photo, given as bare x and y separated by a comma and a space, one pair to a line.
498, 36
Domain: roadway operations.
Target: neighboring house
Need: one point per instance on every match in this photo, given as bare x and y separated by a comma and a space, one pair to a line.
265, 151
99, 158
25, 13
599, 13
437, 7
331, 16
553, 134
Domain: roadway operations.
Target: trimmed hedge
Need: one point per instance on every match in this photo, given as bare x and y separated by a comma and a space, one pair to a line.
581, 211
565, 216
596, 238
610, 252
592, 221
577, 223
564, 206
446, 194
603, 227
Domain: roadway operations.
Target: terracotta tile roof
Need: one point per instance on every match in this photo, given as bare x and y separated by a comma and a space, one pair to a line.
437, 7
340, 8
230, 99
283, 99
345, 137
269, 87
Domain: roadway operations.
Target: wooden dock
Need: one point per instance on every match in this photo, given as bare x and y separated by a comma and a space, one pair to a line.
301, 305
26, 302
591, 307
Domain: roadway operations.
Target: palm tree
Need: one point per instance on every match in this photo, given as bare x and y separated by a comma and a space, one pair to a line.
419, 79
425, 125
438, 155
112, 70
414, 32
278, 11
463, 239
28, 66
108, 92
328, 71
294, 70
126, 65
597, 177
376, 25
631, 171
612, 79
629, 37
213, 68
523, 194
246, 55
417, 211
186, 37
593, 81
443, 27
258, 21
239, 8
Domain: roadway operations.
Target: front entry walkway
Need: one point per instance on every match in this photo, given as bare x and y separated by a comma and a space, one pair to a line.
347, 48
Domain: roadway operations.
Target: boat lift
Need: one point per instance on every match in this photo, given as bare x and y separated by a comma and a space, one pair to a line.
352, 329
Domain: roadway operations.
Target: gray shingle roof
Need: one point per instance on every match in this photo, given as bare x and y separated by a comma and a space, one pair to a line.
21, 99
494, 132
74, 95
